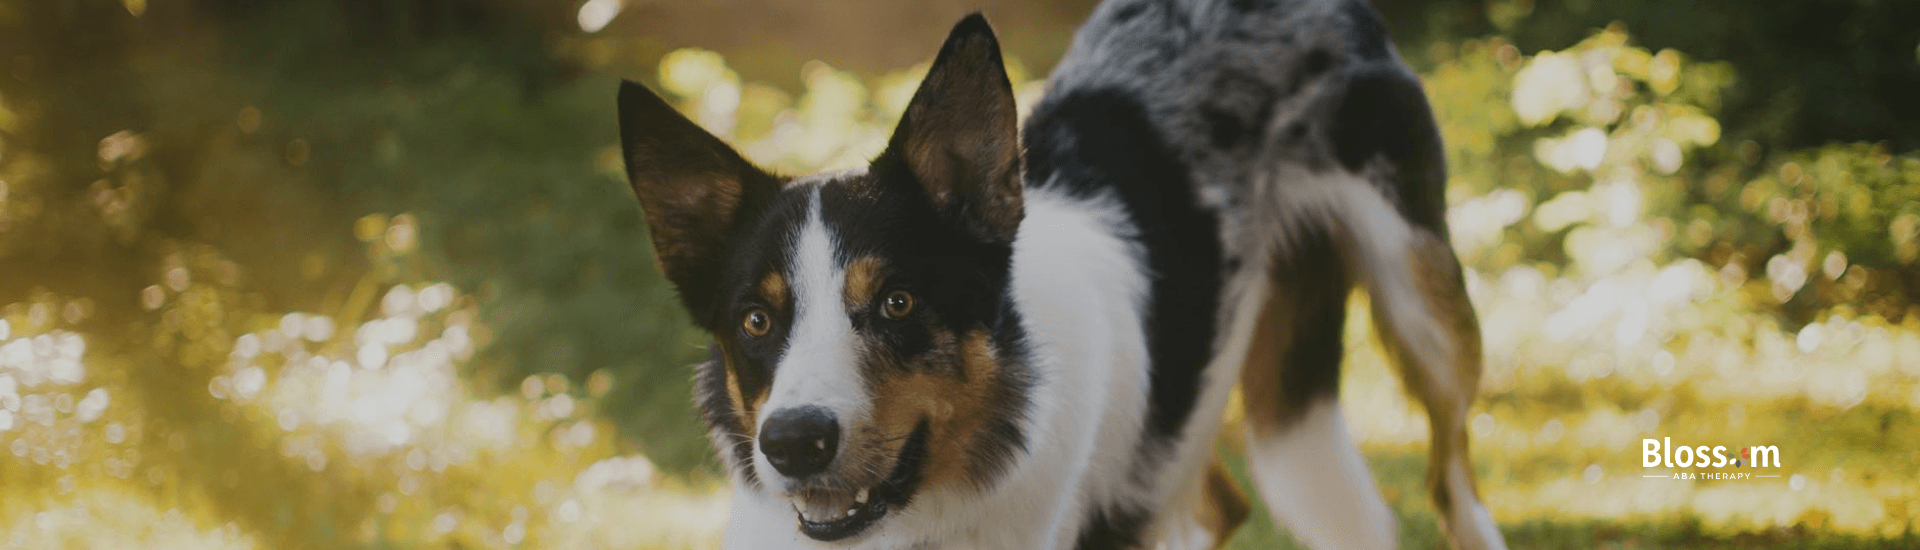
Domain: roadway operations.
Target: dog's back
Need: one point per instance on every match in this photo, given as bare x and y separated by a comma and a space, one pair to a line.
1240, 97
1270, 154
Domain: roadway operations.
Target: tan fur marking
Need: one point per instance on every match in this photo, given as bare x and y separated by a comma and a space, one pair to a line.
1448, 383
1260, 375
741, 408
758, 400
1446, 386
1224, 506
977, 353
1444, 286
970, 402
733, 396
863, 280
953, 398
773, 288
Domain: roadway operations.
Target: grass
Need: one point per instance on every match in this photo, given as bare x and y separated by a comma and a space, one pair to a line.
1401, 477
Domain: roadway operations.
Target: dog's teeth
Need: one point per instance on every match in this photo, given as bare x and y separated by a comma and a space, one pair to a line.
862, 497
852, 511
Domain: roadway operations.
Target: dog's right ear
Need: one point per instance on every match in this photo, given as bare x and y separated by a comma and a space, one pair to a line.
696, 192
960, 135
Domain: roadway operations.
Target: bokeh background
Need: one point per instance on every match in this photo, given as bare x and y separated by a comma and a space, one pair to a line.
348, 274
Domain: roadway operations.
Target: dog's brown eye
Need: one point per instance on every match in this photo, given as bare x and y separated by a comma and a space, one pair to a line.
757, 323
897, 305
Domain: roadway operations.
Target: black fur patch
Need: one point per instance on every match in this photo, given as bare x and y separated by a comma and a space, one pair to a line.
911, 470
1237, 109
1129, 11
1317, 62
1310, 368
929, 254
1297, 131
1223, 128
1250, 5
1093, 141
1105, 530
1385, 115
1366, 32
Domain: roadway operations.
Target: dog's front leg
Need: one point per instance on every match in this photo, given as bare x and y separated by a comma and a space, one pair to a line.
1044, 507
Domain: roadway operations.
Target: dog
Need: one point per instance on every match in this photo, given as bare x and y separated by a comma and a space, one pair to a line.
996, 336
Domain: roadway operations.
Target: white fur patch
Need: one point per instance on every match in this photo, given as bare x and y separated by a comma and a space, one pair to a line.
1472, 526
1314, 481
821, 363
760, 521
1186, 533
1079, 281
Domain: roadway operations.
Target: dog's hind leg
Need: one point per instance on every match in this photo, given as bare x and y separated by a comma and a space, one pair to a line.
1305, 464
1421, 311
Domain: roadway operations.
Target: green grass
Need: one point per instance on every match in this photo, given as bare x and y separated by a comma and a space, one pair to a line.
1401, 478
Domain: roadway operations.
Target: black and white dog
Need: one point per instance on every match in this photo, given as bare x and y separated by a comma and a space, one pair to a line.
974, 344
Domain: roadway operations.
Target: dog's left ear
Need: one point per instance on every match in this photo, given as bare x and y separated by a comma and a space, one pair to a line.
959, 137
695, 189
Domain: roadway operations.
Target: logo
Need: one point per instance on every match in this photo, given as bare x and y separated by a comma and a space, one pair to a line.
1662, 453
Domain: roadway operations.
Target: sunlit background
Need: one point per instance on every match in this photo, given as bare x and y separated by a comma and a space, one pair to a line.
345, 274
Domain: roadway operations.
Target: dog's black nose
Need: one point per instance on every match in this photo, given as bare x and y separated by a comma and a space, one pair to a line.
800, 441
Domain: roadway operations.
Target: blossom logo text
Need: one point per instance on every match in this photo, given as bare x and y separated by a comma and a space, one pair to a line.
1662, 453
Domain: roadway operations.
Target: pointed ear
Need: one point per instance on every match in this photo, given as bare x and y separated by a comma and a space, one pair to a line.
696, 191
959, 138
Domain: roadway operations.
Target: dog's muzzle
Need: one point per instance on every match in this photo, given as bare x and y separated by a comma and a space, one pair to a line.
829, 512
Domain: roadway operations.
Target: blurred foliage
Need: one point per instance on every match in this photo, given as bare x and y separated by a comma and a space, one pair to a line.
1812, 71
347, 274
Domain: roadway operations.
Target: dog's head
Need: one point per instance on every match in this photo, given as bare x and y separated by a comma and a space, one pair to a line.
865, 349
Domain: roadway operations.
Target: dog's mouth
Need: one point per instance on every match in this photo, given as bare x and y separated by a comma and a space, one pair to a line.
830, 514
